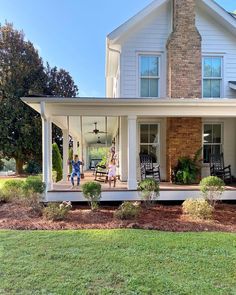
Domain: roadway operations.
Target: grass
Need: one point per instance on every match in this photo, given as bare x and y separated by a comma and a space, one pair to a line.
117, 262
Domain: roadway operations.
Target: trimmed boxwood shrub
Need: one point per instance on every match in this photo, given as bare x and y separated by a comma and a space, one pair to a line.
150, 190
127, 210
92, 192
11, 190
57, 161
34, 184
212, 188
55, 212
198, 208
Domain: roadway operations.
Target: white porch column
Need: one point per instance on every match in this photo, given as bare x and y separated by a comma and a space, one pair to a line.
123, 149
65, 153
47, 152
75, 146
132, 152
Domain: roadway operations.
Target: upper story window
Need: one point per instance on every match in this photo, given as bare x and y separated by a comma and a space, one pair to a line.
212, 76
149, 75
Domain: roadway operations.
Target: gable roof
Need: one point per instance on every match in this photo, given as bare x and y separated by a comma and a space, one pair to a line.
224, 17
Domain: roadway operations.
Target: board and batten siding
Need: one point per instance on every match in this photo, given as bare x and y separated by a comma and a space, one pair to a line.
151, 37
217, 40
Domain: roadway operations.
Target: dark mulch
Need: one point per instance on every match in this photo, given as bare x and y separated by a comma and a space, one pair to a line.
159, 217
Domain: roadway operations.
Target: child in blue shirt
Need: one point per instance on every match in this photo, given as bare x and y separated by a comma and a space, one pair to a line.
75, 170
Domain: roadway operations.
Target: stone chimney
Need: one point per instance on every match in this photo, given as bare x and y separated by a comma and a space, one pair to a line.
184, 80
184, 53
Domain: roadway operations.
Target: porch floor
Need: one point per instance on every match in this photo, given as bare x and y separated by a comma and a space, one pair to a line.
65, 186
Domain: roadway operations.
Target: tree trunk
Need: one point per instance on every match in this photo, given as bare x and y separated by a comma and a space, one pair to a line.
19, 166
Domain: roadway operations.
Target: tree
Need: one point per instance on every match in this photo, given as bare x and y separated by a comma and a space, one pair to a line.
57, 161
21, 71
59, 83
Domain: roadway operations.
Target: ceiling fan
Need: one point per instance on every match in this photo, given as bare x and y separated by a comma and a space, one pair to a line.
99, 140
96, 130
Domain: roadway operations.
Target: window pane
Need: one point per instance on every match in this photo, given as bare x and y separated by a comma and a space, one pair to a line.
144, 149
144, 66
153, 137
144, 87
216, 151
208, 133
153, 150
153, 87
144, 133
216, 67
215, 88
153, 66
207, 67
206, 153
216, 133
206, 88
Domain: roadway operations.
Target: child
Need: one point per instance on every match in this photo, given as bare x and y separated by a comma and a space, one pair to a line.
112, 172
75, 170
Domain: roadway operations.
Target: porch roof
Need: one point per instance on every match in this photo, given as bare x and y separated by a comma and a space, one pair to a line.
163, 107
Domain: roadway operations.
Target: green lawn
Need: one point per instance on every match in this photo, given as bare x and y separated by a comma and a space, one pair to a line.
117, 262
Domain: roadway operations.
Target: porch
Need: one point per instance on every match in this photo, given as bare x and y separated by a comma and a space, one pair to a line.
120, 123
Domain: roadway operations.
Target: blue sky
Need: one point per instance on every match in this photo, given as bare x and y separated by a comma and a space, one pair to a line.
71, 33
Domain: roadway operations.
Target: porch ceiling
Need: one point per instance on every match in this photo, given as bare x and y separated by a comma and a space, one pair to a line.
73, 124
100, 107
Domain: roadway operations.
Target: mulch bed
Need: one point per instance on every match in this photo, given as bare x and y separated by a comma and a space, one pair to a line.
159, 217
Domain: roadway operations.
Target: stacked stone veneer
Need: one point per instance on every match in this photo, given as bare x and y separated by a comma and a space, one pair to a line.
184, 80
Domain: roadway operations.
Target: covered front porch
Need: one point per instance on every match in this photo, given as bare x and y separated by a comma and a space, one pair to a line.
119, 123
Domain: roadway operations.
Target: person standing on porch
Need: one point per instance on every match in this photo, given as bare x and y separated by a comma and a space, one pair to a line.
112, 172
76, 163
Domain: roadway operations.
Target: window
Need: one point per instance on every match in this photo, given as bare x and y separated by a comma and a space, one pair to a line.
149, 76
212, 141
212, 77
149, 141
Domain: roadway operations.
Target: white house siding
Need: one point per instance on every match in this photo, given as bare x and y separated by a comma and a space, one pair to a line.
216, 39
229, 143
151, 36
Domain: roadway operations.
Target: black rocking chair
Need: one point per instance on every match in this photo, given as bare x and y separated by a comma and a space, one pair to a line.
217, 168
148, 170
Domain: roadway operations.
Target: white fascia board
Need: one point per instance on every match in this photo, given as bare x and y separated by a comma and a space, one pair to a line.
133, 21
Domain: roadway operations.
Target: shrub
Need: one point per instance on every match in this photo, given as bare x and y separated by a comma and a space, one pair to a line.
57, 161
212, 188
55, 212
199, 208
34, 201
92, 192
149, 190
127, 210
188, 169
33, 167
34, 184
12, 190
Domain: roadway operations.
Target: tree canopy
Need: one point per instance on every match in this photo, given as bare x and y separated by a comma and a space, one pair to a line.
22, 73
